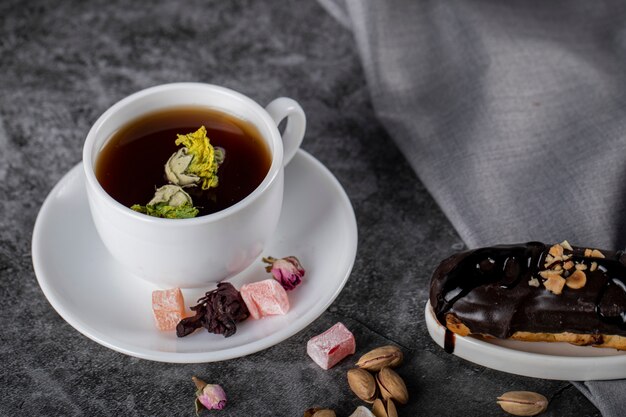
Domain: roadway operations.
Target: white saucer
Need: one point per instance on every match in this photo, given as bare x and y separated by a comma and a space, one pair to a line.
105, 303
560, 361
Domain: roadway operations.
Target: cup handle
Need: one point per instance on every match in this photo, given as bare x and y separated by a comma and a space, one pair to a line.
283, 107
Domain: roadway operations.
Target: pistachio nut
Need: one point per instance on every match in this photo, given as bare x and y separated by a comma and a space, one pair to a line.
391, 408
362, 383
362, 412
378, 408
319, 412
523, 403
378, 358
309, 412
392, 386
325, 413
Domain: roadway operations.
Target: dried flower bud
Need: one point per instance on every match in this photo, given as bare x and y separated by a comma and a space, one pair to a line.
176, 169
218, 311
287, 271
203, 165
209, 396
170, 202
172, 195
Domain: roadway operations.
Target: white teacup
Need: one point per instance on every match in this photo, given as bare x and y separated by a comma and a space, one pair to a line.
193, 252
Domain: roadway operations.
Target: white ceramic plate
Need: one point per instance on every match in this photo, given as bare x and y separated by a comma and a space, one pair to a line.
560, 361
105, 303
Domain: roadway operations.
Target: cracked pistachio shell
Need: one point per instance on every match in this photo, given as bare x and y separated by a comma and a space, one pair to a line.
362, 412
392, 386
319, 412
391, 409
309, 412
378, 408
523, 403
325, 413
378, 358
362, 383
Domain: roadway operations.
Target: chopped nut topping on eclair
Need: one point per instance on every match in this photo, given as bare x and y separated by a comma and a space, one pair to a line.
556, 251
577, 280
560, 270
596, 254
554, 284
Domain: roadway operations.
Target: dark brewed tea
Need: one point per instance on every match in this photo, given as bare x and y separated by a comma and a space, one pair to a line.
131, 165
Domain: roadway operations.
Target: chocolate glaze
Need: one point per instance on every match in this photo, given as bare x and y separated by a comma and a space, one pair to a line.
488, 290
448, 341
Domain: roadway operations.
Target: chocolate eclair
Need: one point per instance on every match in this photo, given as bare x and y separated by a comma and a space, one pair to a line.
534, 292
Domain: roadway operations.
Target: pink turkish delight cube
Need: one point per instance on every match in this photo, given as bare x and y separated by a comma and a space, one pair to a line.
328, 348
168, 307
265, 298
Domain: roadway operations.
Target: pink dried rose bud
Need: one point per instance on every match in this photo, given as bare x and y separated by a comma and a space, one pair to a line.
209, 396
287, 271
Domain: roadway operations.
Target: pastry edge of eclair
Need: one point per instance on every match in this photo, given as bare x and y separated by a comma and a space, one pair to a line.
455, 325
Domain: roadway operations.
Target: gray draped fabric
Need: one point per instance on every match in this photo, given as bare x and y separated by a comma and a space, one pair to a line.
513, 115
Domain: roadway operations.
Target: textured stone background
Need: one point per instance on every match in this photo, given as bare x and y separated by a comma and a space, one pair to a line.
62, 65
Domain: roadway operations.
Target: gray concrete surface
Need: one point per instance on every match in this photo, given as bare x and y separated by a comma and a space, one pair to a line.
62, 64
